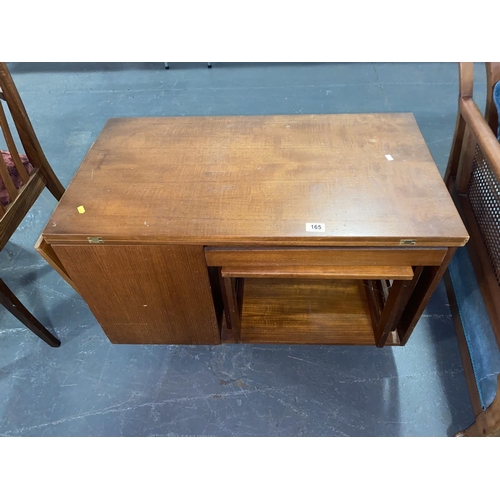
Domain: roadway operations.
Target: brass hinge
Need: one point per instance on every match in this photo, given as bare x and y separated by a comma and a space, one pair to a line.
407, 242
95, 239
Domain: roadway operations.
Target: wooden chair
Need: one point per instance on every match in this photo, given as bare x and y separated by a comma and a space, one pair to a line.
473, 277
23, 177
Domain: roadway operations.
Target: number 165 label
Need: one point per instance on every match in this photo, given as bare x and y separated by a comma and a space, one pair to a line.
315, 227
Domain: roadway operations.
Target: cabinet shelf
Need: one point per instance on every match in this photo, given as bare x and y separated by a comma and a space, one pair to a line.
306, 311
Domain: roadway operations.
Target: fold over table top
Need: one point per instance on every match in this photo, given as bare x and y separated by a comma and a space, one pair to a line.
367, 179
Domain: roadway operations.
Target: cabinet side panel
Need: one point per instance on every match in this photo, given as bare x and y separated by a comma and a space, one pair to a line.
47, 252
145, 294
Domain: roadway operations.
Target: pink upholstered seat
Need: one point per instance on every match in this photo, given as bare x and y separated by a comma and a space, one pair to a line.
7, 158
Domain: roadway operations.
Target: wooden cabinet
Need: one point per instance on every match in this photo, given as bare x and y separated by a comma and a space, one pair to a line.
329, 229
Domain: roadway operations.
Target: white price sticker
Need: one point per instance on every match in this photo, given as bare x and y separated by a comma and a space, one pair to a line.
315, 227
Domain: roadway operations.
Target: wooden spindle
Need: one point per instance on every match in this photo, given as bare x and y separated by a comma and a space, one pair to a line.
11, 145
4, 174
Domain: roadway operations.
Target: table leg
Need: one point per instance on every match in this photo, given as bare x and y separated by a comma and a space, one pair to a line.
429, 280
398, 297
231, 309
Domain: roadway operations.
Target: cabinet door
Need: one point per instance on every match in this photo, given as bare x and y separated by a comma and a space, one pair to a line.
145, 294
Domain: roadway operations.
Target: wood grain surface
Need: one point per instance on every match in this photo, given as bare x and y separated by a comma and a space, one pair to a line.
260, 180
323, 256
145, 294
320, 272
306, 312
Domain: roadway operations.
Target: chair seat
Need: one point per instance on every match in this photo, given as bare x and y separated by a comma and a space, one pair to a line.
7, 158
496, 100
479, 334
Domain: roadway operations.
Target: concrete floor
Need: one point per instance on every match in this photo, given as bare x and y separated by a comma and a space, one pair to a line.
89, 387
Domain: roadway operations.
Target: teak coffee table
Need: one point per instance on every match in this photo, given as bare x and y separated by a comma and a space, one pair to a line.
311, 229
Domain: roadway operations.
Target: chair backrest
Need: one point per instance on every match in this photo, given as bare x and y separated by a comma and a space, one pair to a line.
23, 185
473, 179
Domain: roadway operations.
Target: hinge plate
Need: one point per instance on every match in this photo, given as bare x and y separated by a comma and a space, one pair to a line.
95, 239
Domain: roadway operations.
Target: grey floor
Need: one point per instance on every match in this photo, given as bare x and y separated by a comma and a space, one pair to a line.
89, 387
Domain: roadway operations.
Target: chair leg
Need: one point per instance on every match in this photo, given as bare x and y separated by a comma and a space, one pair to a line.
488, 422
13, 305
